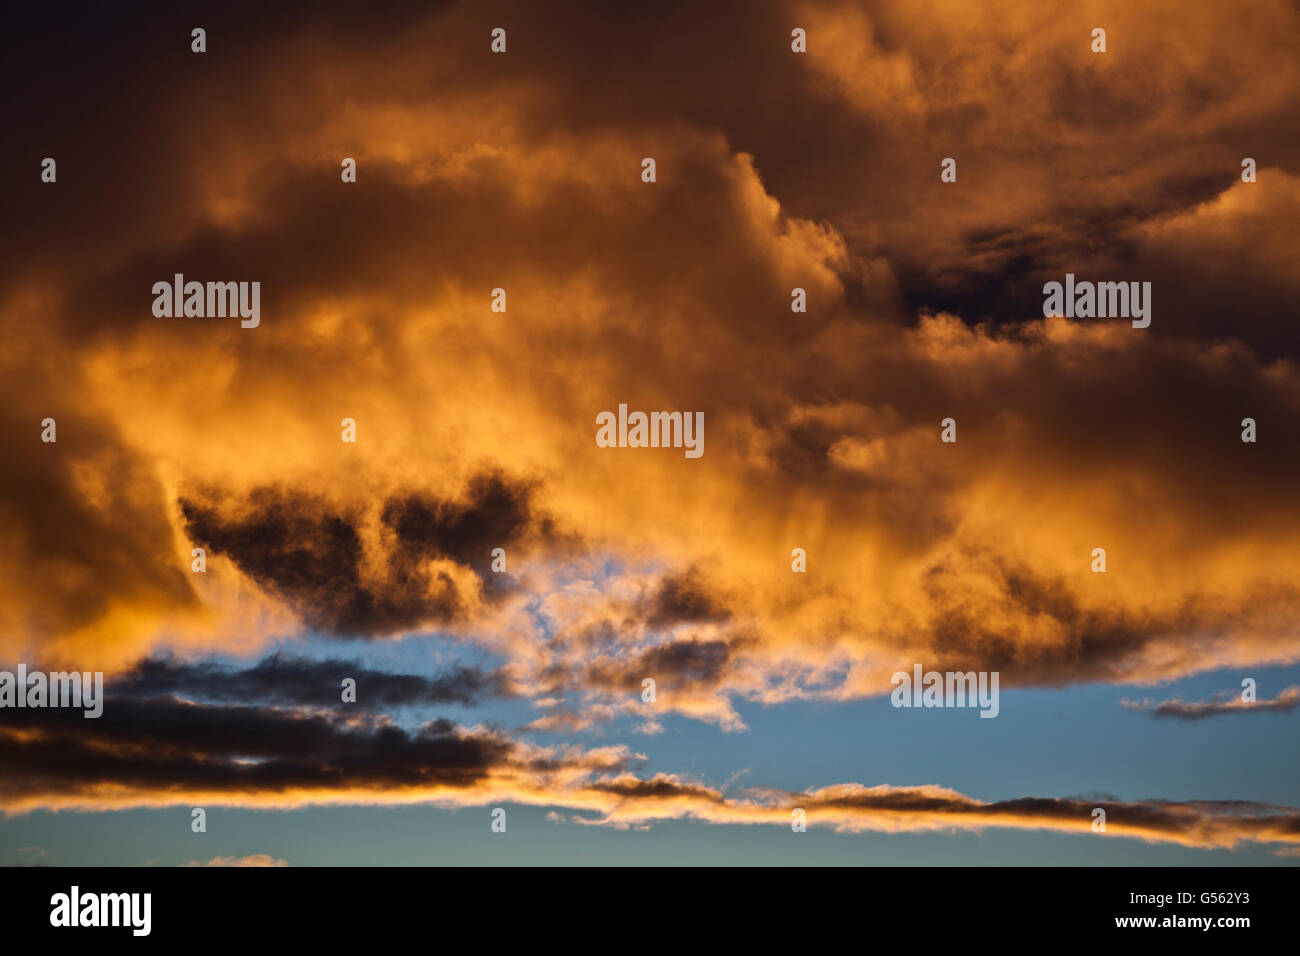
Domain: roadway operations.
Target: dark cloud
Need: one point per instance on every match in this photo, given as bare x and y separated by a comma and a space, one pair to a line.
701, 662
167, 743
164, 745
658, 787
496, 514
685, 666
683, 598
288, 680
311, 553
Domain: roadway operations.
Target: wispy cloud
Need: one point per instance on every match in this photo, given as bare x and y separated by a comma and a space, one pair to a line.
1227, 702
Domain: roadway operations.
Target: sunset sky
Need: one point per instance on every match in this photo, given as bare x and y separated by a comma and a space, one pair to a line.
476, 430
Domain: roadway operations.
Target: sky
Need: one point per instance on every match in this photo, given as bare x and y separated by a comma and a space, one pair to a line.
499, 585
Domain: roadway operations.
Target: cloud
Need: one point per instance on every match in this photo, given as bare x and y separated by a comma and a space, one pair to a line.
1226, 703
168, 752
476, 428
254, 859
86, 546
288, 680
315, 557
154, 751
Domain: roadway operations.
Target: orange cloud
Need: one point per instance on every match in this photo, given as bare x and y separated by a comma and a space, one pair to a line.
821, 427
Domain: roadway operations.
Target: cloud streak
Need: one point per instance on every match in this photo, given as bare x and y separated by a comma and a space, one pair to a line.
1223, 704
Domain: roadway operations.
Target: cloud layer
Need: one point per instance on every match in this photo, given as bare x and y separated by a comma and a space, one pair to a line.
475, 428
164, 751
